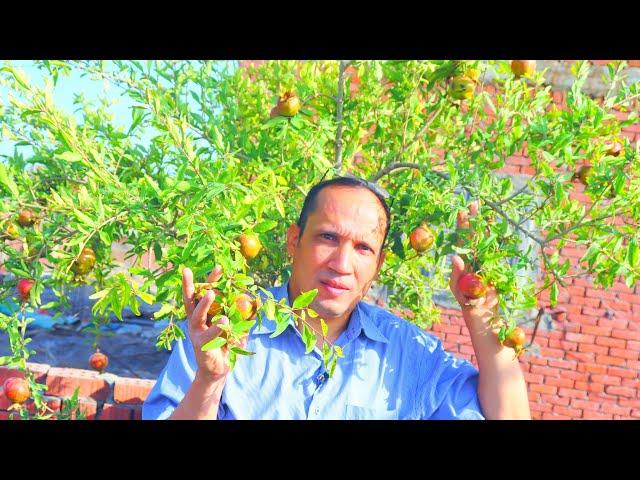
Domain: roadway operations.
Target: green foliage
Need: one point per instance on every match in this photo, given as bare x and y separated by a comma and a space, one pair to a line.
217, 165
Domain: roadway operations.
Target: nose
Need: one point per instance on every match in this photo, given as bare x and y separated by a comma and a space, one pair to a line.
341, 259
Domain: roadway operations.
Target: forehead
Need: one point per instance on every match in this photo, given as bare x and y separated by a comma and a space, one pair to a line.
356, 210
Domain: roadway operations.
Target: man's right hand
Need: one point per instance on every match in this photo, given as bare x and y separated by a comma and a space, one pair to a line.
213, 365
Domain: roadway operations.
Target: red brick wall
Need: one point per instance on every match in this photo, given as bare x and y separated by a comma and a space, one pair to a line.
589, 362
101, 396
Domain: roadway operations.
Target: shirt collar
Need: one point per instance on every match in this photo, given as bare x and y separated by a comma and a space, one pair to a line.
360, 319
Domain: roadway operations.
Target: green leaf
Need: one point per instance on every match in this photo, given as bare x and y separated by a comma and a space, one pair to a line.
265, 226
164, 310
281, 326
270, 309
215, 343
325, 327
240, 351
305, 299
632, 253
70, 157
6, 179
309, 339
554, 294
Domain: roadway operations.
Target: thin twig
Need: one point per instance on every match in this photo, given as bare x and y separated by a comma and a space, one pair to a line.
340, 106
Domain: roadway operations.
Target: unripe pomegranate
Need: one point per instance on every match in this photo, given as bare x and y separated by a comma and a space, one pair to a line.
523, 67
421, 239
26, 217
289, 104
24, 287
249, 245
16, 389
471, 285
98, 361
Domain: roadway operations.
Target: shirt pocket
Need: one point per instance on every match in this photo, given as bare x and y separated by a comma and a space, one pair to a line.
356, 412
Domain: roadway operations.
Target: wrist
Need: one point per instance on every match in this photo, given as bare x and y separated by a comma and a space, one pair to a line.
209, 383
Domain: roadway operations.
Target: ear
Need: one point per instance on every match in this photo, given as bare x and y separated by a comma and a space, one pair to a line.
293, 236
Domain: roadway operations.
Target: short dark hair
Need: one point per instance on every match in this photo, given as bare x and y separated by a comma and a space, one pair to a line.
311, 200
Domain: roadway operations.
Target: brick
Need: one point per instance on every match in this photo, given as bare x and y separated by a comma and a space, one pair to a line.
536, 415
576, 291
551, 352
577, 319
595, 387
559, 382
136, 413
622, 391
587, 318
622, 353
594, 312
563, 344
564, 364
441, 327
626, 402
606, 379
622, 372
115, 412
549, 389
626, 334
598, 331
614, 322
595, 415
589, 348
579, 337
631, 383
592, 368
132, 390
630, 298
533, 396
533, 378
596, 293
537, 361
614, 409
584, 404
607, 360
466, 349
62, 382
541, 407
635, 413
39, 371
573, 375
555, 416
584, 386
611, 342
547, 371
459, 339
571, 392
570, 412
582, 357
594, 303
632, 345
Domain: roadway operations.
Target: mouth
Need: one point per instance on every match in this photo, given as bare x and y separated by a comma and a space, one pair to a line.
333, 288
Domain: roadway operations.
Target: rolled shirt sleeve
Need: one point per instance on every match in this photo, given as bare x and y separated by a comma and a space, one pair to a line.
174, 381
447, 386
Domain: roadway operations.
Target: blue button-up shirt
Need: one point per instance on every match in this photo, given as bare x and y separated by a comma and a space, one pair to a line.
391, 370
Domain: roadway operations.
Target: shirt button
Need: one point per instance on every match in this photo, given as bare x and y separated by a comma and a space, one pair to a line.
317, 410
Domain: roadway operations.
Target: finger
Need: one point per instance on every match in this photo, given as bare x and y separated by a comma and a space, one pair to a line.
215, 274
457, 270
187, 290
214, 331
198, 318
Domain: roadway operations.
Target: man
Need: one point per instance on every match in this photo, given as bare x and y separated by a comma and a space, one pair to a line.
391, 368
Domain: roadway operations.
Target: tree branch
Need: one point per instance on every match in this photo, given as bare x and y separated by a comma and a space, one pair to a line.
340, 105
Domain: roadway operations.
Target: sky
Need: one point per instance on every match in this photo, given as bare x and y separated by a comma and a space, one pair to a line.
63, 98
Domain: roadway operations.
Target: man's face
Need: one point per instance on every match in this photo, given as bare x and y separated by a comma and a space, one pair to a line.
339, 252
